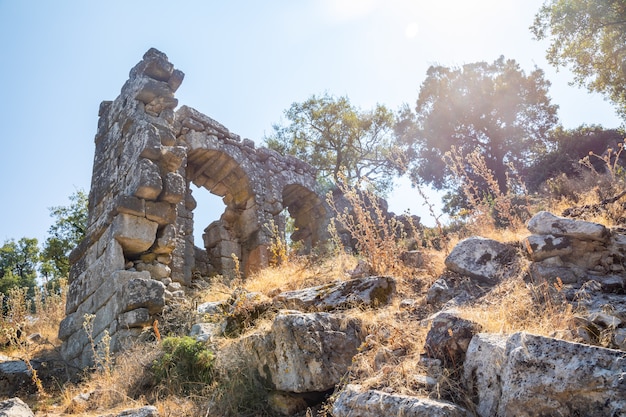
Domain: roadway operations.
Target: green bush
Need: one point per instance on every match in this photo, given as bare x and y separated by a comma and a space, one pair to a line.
185, 362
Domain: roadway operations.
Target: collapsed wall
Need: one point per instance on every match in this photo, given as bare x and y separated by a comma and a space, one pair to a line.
140, 233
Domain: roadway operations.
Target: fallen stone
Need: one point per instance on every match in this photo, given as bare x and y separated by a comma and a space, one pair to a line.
368, 291
146, 411
541, 247
539, 375
449, 337
14, 375
15, 407
545, 223
304, 352
485, 260
353, 401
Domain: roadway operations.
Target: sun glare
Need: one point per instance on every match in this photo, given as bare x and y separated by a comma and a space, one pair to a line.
411, 30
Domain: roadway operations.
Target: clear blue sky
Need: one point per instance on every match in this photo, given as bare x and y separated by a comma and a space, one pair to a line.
245, 63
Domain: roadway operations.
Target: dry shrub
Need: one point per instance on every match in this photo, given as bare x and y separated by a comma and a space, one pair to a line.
380, 239
515, 305
301, 272
489, 208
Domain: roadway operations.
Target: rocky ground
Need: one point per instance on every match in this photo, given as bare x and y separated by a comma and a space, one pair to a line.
367, 346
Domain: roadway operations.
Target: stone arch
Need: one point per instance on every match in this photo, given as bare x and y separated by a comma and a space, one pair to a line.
309, 211
221, 174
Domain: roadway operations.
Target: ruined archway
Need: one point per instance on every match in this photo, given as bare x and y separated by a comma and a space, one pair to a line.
309, 212
139, 250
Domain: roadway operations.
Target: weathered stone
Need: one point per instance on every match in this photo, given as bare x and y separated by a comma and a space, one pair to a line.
135, 234
173, 188
15, 407
141, 292
305, 352
145, 411
370, 291
148, 184
14, 376
285, 403
157, 270
161, 212
449, 337
482, 369
543, 376
484, 260
353, 400
451, 289
166, 240
135, 318
541, 247
206, 332
545, 223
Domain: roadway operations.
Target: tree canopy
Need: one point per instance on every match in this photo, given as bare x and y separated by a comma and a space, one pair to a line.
67, 231
589, 37
18, 264
494, 108
341, 141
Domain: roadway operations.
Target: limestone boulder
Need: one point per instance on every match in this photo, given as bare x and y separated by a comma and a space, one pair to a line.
536, 375
449, 337
482, 369
545, 223
484, 260
541, 247
305, 352
368, 291
15, 407
14, 376
353, 400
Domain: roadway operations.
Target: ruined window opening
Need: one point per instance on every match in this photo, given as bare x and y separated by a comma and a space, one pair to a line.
209, 208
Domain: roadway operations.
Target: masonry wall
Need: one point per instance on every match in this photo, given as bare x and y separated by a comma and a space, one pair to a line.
139, 250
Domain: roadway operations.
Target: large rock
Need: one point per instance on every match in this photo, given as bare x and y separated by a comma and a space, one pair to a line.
484, 260
304, 352
537, 375
14, 407
482, 369
369, 291
449, 337
354, 401
14, 376
135, 234
545, 223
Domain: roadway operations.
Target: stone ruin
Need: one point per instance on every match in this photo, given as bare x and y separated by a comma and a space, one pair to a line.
139, 247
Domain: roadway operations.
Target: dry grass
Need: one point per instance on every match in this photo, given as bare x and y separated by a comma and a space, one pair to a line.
301, 272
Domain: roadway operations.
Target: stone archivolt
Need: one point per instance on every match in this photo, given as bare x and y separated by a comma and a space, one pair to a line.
139, 247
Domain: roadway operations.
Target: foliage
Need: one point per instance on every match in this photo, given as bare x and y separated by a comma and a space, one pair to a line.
570, 146
495, 108
589, 38
490, 207
184, 363
64, 235
377, 235
18, 263
339, 139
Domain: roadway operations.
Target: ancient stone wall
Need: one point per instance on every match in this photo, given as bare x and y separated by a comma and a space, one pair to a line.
139, 248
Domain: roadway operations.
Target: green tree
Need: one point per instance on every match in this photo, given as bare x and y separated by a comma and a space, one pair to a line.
570, 146
64, 235
18, 264
589, 37
339, 140
495, 108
